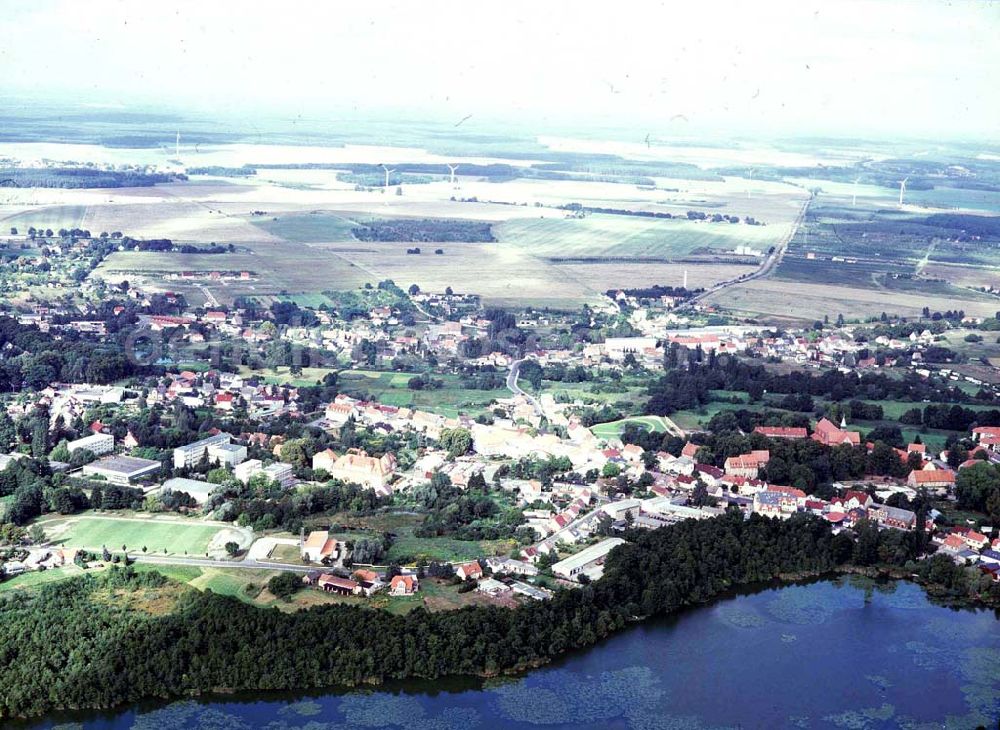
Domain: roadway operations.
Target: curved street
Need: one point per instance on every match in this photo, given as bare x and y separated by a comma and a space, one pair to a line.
514, 388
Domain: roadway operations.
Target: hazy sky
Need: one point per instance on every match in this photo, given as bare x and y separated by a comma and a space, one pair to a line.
913, 68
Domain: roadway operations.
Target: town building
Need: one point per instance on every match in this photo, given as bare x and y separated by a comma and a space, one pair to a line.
403, 585
589, 561
97, 444
191, 454
747, 465
368, 471
122, 470
828, 434
319, 546
196, 488
467, 571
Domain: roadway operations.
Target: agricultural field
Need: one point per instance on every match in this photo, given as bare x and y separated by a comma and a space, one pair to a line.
610, 236
175, 537
887, 260
312, 227
54, 217
277, 269
799, 301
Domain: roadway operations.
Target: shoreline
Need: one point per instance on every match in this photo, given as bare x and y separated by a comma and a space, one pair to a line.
476, 681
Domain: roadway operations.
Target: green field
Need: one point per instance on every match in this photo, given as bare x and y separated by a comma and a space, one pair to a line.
600, 235
37, 578
314, 301
178, 538
613, 429
433, 548
314, 227
391, 389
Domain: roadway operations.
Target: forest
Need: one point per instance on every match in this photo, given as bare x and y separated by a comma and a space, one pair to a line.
81, 177
67, 646
428, 230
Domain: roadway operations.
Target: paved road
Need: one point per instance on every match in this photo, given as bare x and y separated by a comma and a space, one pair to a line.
218, 563
770, 261
514, 388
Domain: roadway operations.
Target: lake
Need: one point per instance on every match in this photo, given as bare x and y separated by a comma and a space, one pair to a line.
848, 653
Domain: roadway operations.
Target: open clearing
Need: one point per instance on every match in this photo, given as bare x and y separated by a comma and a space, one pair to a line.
391, 389
93, 532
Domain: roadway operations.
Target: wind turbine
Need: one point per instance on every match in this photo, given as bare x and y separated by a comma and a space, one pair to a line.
854, 192
387, 171
749, 180
902, 189
177, 145
452, 168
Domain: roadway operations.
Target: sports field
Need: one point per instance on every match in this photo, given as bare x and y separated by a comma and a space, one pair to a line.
93, 532
613, 429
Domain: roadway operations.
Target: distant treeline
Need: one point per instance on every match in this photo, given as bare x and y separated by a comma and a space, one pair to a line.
428, 230
80, 177
919, 174
165, 244
500, 172
654, 292
377, 179
219, 171
972, 225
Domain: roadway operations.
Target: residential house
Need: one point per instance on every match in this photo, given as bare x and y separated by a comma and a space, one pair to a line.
469, 571
335, 584
324, 460
403, 585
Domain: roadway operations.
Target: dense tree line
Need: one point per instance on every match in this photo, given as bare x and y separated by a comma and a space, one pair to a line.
690, 387
951, 418
66, 646
81, 177
428, 230
270, 509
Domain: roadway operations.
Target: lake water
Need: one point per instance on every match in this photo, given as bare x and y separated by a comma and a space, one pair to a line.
842, 654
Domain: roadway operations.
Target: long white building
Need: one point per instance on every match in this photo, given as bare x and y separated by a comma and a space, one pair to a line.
98, 444
589, 561
191, 454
